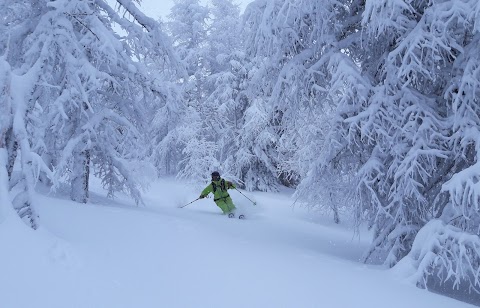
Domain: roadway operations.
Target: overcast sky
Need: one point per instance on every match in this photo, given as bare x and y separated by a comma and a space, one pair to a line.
157, 8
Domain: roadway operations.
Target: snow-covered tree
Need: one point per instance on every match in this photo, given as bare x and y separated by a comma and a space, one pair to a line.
226, 84
296, 50
213, 89
452, 30
5, 119
78, 94
256, 157
187, 27
408, 134
377, 97
21, 165
103, 92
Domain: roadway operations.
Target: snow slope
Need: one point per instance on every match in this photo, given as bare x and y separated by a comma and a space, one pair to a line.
112, 254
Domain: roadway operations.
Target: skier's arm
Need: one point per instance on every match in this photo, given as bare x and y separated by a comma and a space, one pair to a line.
230, 185
206, 191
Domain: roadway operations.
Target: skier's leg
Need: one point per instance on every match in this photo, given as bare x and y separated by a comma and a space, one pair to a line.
230, 205
223, 206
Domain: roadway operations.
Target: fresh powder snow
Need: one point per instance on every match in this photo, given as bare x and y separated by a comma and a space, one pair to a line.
110, 253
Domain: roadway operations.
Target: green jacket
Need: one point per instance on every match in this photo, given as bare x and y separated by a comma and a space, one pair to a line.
219, 189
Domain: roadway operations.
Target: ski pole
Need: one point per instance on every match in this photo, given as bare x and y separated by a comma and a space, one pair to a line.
254, 203
190, 202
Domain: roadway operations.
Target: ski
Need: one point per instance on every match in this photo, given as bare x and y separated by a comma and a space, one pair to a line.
232, 215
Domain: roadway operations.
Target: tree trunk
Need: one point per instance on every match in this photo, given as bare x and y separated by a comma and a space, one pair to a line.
80, 176
12, 146
334, 207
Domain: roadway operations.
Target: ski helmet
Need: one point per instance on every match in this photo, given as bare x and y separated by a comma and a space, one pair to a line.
215, 174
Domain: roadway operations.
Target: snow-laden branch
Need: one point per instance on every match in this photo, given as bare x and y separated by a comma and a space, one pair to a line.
444, 252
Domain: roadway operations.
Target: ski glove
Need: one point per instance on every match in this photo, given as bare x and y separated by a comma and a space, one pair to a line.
202, 196
230, 185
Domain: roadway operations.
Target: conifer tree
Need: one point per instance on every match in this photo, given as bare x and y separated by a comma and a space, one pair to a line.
78, 95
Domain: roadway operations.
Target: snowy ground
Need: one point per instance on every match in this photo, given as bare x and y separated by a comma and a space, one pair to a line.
111, 254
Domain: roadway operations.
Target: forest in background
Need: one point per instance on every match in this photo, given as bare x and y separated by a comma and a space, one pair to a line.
368, 108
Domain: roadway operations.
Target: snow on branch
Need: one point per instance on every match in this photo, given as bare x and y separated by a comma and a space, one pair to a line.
432, 43
443, 252
387, 15
464, 191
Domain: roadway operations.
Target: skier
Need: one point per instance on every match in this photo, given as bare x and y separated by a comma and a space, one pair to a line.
221, 197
